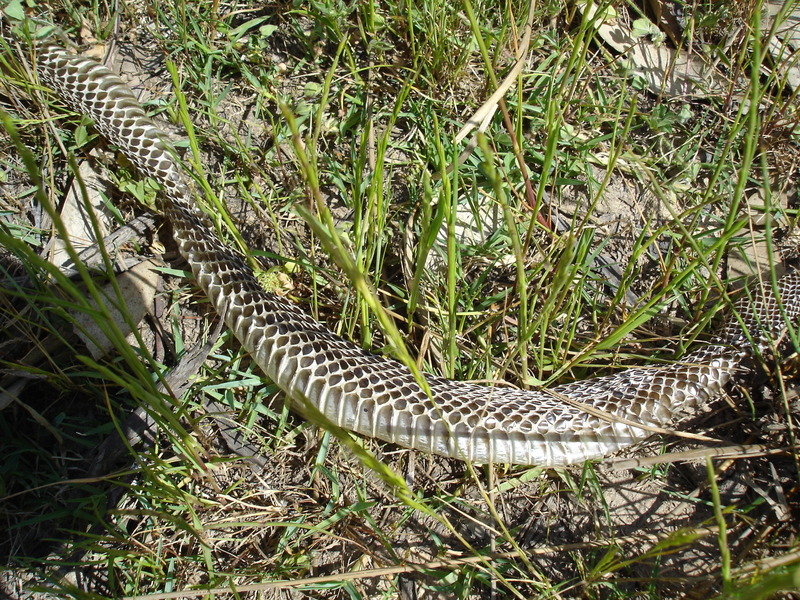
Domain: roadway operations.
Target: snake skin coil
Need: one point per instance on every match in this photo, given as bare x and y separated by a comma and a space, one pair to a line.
378, 397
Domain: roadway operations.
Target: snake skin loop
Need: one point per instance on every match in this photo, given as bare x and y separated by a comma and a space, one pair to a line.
378, 397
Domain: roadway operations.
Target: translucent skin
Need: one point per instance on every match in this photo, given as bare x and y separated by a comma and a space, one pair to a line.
378, 397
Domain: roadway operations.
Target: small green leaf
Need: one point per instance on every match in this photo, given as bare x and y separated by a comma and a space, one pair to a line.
312, 89
241, 30
81, 135
14, 10
642, 27
267, 30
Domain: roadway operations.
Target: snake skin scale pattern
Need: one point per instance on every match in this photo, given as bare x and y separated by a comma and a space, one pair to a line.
378, 397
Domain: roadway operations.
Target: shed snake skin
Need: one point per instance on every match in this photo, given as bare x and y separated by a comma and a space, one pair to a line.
378, 397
